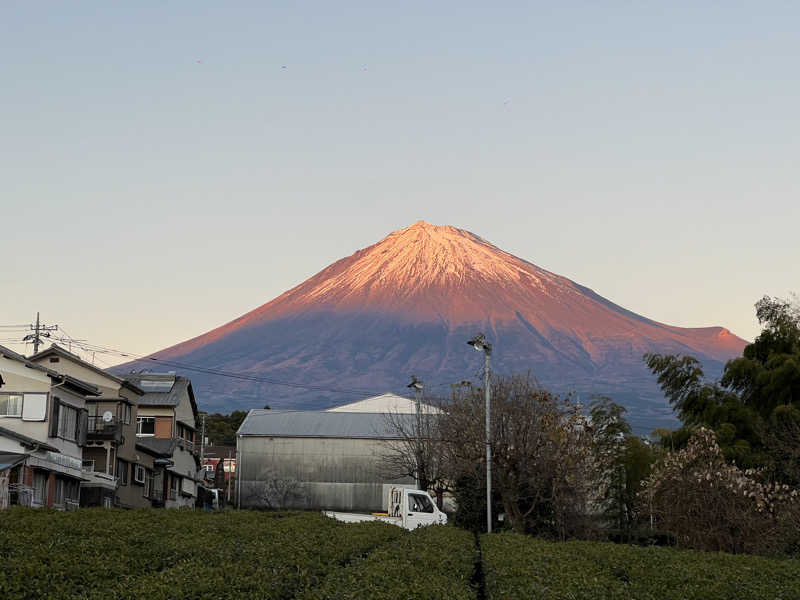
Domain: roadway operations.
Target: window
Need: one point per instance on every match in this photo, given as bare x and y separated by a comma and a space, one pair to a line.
126, 414
40, 487
10, 405
107, 502
72, 493
157, 385
122, 471
419, 503
145, 426
139, 474
72, 490
58, 496
34, 407
174, 487
67, 422
148, 480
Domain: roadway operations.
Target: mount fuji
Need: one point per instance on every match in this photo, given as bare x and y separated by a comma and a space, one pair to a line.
408, 304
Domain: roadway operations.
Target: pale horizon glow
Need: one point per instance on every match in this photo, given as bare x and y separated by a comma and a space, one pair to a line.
167, 168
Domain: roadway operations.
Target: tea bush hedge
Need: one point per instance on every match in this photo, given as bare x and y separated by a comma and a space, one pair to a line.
97, 554
517, 566
433, 562
156, 555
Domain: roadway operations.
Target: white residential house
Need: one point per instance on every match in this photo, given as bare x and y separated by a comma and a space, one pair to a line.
43, 428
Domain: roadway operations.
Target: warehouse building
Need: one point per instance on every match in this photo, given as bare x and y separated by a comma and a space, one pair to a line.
316, 459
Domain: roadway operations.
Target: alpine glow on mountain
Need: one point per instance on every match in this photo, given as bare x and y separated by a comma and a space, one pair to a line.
409, 303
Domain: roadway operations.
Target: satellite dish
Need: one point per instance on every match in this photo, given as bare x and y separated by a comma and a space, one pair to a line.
107, 416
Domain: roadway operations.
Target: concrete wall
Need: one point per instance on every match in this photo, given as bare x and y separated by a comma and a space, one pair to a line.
321, 473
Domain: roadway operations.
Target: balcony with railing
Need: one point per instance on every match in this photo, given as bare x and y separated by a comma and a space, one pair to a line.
102, 429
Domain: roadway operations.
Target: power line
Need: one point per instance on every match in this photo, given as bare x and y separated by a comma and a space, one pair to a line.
40, 330
95, 348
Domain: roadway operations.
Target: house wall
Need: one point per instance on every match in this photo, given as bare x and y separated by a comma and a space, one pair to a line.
108, 387
21, 379
18, 377
165, 418
329, 473
64, 446
184, 412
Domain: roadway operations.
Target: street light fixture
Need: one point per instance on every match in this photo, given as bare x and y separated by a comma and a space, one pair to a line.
479, 343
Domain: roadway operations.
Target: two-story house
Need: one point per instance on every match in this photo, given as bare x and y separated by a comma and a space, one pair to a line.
116, 471
43, 430
166, 424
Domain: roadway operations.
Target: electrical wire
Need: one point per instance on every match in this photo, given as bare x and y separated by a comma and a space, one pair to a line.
133, 357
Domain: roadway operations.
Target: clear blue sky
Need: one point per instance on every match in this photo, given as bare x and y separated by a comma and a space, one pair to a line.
161, 172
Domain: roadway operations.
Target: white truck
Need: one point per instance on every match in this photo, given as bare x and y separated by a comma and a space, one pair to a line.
406, 508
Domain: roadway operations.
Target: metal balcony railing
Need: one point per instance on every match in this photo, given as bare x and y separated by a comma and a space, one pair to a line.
104, 430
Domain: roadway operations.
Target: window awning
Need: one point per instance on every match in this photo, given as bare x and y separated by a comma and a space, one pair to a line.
11, 459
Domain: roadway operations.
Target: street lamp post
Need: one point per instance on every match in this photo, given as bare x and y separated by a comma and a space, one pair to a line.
479, 343
417, 386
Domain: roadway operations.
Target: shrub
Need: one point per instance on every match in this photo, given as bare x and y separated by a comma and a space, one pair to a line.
431, 562
521, 567
709, 504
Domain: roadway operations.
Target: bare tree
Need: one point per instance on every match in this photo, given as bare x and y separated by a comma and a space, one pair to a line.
541, 453
417, 450
273, 492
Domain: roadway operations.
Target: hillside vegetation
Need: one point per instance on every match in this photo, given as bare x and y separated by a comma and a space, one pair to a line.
159, 555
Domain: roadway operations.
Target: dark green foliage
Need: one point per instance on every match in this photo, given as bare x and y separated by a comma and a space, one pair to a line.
156, 555
221, 429
752, 409
469, 494
432, 562
520, 567
622, 462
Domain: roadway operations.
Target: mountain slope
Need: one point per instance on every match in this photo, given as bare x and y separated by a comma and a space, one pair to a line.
408, 304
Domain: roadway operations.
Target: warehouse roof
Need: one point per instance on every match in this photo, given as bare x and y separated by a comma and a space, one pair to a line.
300, 423
385, 403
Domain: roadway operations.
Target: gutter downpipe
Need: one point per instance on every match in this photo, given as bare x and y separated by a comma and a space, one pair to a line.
238, 474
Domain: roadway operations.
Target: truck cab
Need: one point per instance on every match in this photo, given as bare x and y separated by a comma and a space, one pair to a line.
415, 507
406, 508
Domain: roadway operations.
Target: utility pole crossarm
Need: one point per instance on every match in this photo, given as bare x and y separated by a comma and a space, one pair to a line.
40, 330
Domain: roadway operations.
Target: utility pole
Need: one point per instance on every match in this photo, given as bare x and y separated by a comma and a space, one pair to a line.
230, 474
479, 343
39, 331
203, 440
488, 356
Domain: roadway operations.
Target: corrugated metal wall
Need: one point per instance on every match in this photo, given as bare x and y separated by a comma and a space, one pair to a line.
314, 473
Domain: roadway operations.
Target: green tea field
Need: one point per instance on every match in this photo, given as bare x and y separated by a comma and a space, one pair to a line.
159, 555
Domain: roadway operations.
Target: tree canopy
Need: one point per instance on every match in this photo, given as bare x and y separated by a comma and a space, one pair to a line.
221, 429
754, 409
